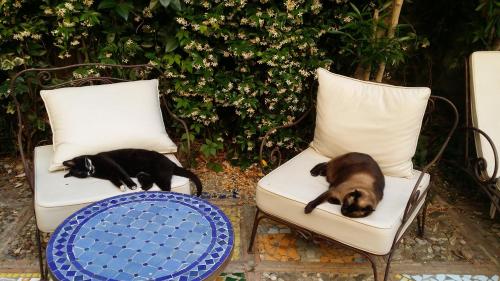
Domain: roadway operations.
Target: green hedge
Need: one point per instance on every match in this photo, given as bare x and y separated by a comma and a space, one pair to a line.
232, 68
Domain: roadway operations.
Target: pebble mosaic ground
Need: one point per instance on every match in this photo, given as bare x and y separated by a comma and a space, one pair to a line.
461, 242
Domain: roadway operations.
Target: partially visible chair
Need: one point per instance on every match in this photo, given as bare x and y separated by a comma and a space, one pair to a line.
352, 115
56, 197
482, 118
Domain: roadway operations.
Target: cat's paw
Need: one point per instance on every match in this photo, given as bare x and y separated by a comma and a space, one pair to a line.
309, 208
123, 188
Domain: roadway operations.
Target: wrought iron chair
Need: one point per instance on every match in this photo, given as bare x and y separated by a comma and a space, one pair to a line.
481, 118
289, 183
35, 158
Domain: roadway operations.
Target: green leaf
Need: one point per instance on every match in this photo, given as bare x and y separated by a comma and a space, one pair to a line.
171, 44
106, 4
165, 3
480, 6
147, 44
153, 4
215, 167
176, 4
341, 33
123, 10
203, 29
355, 8
110, 37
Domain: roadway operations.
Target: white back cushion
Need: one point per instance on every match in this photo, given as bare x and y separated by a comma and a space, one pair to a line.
485, 100
93, 119
383, 121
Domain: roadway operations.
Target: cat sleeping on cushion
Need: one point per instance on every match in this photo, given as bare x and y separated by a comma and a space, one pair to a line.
119, 165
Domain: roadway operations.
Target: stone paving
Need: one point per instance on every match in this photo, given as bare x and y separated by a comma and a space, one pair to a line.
461, 241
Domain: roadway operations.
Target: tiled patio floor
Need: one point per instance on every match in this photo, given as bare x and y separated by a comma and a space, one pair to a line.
461, 242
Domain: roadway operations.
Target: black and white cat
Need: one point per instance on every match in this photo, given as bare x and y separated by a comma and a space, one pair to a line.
119, 165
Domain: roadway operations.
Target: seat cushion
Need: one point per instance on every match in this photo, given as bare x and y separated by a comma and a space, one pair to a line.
57, 197
485, 101
285, 192
93, 119
381, 120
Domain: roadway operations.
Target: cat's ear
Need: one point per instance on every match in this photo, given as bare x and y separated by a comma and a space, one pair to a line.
70, 163
88, 163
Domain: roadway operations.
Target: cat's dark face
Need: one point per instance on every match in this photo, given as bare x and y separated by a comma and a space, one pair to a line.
358, 204
80, 167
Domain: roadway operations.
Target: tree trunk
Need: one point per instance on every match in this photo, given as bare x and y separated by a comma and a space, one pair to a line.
396, 10
364, 72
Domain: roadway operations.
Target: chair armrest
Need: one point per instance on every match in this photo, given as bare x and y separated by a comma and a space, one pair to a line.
184, 125
479, 164
276, 150
417, 196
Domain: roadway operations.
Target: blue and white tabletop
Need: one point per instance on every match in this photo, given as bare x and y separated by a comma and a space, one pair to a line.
142, 236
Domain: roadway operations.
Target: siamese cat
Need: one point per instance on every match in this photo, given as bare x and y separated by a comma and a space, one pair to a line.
356, 182
119, 165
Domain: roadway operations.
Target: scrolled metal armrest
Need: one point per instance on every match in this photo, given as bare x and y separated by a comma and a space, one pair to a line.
480, 163
272, 131
186, 129
418, 195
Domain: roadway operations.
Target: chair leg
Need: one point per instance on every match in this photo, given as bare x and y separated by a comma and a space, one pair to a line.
388, 266
256, 222
421, 221
43, 266
493, 209
374, 266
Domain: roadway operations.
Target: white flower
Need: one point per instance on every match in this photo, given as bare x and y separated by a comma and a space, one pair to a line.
69, 6
247, 55
182, 21
147, 12
68, 23
88, 3
75, 43
290, 5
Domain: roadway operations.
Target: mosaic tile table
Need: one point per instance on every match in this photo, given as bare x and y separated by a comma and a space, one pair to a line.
142, 236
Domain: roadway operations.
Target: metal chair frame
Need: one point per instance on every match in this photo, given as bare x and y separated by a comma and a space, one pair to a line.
474, 165
412, 208
42, 80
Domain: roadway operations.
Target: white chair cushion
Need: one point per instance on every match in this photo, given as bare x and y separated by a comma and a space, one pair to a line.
286, 191
485, 100
92, 119
383, 121
57, 197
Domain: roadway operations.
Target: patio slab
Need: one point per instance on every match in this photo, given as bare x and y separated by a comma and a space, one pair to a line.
461, 242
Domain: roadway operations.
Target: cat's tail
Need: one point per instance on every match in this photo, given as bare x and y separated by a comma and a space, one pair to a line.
183, 172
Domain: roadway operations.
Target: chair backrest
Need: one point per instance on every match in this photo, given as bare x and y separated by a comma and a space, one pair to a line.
26, 85
485, 103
